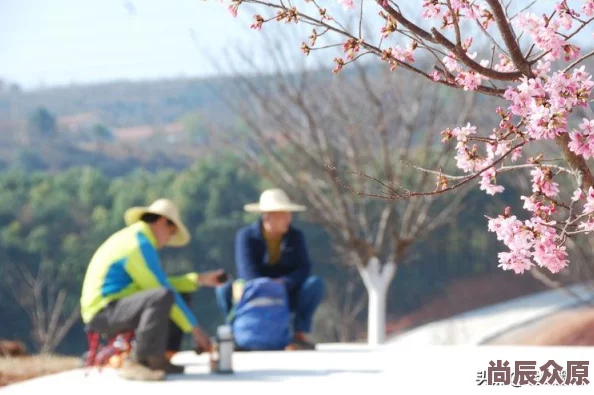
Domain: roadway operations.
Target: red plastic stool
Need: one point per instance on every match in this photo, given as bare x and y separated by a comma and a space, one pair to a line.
98, 355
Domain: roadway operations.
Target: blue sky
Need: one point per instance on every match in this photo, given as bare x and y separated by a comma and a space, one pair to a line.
47, 42
58, 42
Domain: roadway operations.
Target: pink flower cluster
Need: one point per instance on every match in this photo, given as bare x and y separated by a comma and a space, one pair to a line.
540, 107
545, 35
465, 8
469, 159
533, 240
582, 140
588, 8
588, 210
544, 103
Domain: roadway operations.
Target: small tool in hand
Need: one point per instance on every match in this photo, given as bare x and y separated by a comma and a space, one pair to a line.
223, 277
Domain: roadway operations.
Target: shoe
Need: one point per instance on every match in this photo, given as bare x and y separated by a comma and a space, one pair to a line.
170, 354
133, 370
240, 349
161, 363
299, 343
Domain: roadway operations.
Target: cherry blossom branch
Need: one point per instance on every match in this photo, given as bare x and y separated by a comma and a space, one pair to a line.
578, 61
456, 24
509, 38
521, 11
397, 195
437, 38
579, 29
576, 162
540, 101
502, 169
463, 57
293, 15
495, 43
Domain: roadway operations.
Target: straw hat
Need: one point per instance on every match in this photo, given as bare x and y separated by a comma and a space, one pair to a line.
167, 209
273, 200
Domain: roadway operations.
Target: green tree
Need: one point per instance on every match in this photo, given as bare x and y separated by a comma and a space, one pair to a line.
42, 123
102, 132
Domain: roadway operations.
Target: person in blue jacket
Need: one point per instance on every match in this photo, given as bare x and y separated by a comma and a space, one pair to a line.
272, 247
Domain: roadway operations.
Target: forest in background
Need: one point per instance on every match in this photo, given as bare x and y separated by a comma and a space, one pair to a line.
52, 223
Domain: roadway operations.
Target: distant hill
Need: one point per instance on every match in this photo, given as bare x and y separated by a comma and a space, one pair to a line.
158, 102
122, 103
144, 124
120, 125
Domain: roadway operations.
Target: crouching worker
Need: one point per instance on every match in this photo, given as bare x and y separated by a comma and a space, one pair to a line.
275, 249
125, 289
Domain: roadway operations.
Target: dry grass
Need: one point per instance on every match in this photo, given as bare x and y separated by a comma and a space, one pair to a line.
17, 369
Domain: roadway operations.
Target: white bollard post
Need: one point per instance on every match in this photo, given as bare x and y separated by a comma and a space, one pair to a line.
377, 280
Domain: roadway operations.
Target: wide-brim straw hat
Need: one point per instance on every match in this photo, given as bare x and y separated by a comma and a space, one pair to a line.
167, 209
273, 200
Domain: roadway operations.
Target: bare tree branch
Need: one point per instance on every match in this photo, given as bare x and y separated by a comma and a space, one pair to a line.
44, 303
303, 134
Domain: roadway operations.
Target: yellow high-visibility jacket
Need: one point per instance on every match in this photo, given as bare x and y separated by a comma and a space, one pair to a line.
126, 263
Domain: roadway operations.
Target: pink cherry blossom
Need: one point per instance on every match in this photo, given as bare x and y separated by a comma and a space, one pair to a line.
549, 255
565, 15
537, 207
497, 148
469, 80
589, 205
517, 261
542, 68
542, 181
534, 238
435, 75
577, 195
431, 9
487, 182
506, 228
587, 226
588, 8
404, 55
451, 63
544, 35
516, 154
347, 4
467, 9
582, 140
505, 64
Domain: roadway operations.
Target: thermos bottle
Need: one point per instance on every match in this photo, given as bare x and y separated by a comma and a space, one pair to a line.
221, 355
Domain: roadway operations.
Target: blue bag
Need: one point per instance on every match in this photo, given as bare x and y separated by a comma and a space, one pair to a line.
260, 319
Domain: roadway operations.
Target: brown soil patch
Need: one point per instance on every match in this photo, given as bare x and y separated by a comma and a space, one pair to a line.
15, 369
569, 328
466, 295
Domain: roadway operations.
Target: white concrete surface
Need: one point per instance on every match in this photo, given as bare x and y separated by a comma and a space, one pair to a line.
476, 326
334, 369
439, 356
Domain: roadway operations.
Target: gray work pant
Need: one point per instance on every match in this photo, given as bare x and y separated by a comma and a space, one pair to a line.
146, 313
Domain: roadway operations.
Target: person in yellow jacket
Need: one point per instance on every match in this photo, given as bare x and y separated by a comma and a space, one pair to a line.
126, 289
